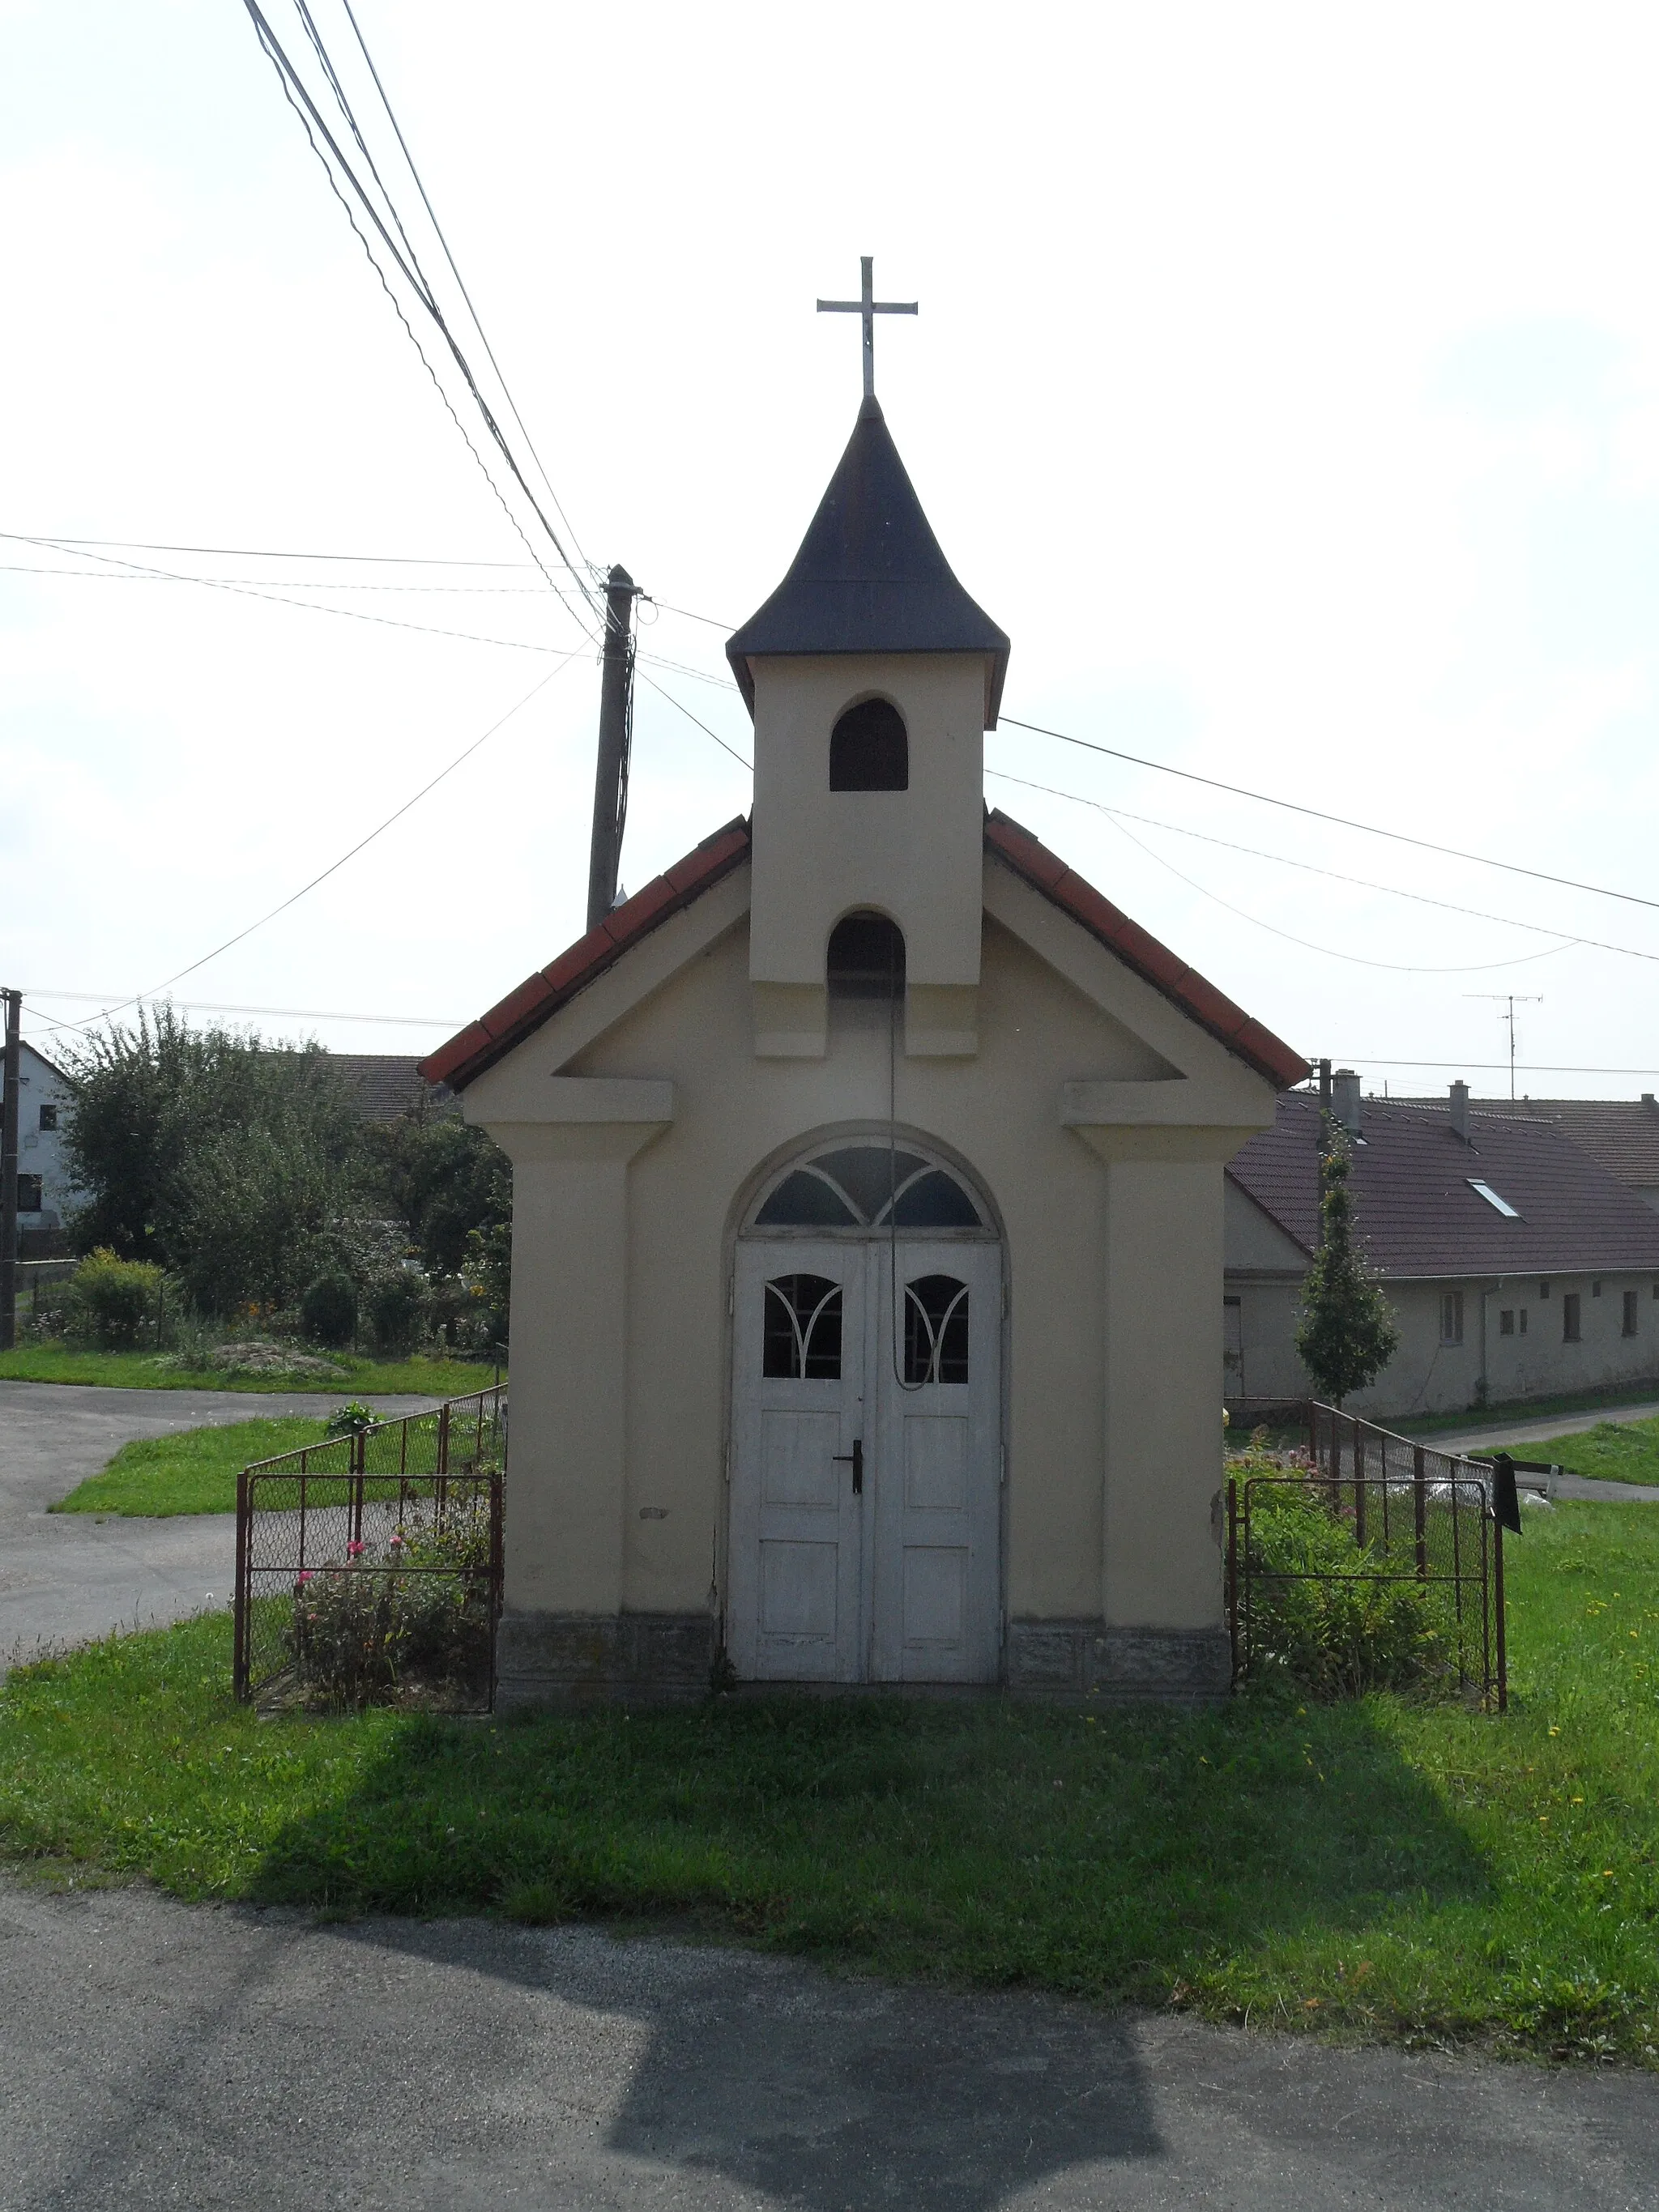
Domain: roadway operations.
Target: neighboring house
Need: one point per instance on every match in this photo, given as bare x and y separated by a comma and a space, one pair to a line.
1516, 1264
1620, 1134
867, 1207
388, 1084
43, 1191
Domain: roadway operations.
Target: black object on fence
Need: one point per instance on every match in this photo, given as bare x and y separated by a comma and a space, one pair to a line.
1415, 1514
369, 1566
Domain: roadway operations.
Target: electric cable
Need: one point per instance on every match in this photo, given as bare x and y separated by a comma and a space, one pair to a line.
334, 867
1341, 821
703, 725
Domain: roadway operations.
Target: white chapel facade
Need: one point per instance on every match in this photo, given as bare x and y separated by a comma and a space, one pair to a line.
867, 1208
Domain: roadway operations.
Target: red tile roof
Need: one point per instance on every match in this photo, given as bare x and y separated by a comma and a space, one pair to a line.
1416, 1212
1184, 985
1620, 1134
541, 995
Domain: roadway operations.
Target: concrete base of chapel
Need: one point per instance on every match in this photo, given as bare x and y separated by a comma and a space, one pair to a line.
559, 1661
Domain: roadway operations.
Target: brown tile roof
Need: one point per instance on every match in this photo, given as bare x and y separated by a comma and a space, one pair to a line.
1620, 1134
1210, 1009
385, 1085
1414, 1205
541, 995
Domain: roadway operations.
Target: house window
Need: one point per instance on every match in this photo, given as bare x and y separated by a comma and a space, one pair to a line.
935, 1330
1543, 1290
49, 1117
869, 749
1506, 1322
802, 1340
1596, 1290
1451, 1317
28, 1193
1571, 1329
1630, 1314
865, 958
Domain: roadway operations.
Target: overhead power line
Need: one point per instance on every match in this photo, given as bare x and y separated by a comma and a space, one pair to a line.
1341, 821
267, 552
1522, 1066
114, 999
334, 867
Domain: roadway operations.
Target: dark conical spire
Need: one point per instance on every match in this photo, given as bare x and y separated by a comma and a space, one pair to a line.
870, 576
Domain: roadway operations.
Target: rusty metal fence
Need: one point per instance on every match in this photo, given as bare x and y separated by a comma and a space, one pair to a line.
368, 1565
1415, 1515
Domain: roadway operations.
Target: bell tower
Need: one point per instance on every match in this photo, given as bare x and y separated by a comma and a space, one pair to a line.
872, 677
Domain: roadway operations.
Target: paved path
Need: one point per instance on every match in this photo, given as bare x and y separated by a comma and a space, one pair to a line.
67, 1577
1481, 1438
152, 2053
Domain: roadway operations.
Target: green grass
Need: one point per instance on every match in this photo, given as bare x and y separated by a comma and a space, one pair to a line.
1525, 1409
1380, 1868
136, 1370
194, 1471
1613, 1451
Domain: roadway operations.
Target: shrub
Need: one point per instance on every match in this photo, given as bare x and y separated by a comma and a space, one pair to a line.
350, 1420
328, 1310
362, 1632
115, 1299
1332, 1637
397, 1308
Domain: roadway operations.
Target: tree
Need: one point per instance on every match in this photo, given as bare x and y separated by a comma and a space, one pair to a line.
448, 1181
223, 1158
1348, 1333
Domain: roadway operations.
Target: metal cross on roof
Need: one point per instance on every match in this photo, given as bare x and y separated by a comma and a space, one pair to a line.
869, 306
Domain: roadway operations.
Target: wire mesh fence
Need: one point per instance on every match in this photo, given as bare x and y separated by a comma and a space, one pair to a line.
1415, 1517
369, 1566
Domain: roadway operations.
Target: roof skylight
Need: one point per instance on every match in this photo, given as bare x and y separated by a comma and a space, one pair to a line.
1486, 1191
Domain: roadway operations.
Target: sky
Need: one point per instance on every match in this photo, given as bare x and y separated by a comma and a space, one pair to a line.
1285, 383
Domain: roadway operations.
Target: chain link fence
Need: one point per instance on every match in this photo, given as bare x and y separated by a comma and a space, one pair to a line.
369, 1566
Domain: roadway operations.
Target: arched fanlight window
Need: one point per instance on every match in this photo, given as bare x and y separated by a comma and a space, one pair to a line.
865, 958
869, 1185
869, 749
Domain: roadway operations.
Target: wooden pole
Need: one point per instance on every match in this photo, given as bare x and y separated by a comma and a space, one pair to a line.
8, 1171
616, 732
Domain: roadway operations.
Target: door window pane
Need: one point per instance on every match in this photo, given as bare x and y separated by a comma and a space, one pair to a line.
936, 1330
802, 1336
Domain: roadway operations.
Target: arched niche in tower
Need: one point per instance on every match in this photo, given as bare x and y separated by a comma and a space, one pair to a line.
865, 958
869, 749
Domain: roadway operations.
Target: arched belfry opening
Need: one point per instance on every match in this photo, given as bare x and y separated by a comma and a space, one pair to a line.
866, 958
869, 749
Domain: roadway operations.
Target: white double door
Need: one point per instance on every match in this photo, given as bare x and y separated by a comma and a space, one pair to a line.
864, 1510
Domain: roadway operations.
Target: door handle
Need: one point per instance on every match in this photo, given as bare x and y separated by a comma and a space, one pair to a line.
856, 1457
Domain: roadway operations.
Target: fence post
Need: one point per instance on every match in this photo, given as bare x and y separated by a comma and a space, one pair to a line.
238, 1662
1358, 1481
1420, 1511
1313, 1436
496, 1574
358, 1457
1232, 1571
1497, 1603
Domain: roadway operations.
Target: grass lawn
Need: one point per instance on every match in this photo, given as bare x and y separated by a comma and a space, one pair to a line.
1525, 1409
194, 1471
358, 1376
1613, 1451
1379, 1868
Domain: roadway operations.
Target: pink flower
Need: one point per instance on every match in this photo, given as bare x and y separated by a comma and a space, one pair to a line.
355, 1550
304, 1577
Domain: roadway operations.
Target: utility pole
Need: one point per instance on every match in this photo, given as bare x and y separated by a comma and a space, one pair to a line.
8, 1170
615, 741
1509, 1000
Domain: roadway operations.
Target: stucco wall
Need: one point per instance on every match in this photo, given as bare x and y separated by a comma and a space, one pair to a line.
1426, 1375
1113, 1256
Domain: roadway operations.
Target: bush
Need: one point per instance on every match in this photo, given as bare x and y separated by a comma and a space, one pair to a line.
350, 1420
328, 1310
114, 1300
361, 1632
1333, 1639
397, 1308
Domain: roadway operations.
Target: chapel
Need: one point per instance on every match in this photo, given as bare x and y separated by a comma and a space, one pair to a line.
867, 1236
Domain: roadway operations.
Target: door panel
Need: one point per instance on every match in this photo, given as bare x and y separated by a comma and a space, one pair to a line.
936, 1472
796, 1524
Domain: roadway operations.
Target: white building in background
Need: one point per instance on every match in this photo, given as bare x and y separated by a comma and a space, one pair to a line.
44, 1190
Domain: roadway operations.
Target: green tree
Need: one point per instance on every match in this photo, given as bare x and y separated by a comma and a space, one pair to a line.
1349, 1333
224, 1159
448, 1182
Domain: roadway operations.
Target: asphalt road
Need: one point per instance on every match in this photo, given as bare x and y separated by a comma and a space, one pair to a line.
67, 1577
154, 2054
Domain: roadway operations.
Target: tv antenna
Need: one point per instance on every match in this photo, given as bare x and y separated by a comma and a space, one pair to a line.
1509, 1000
